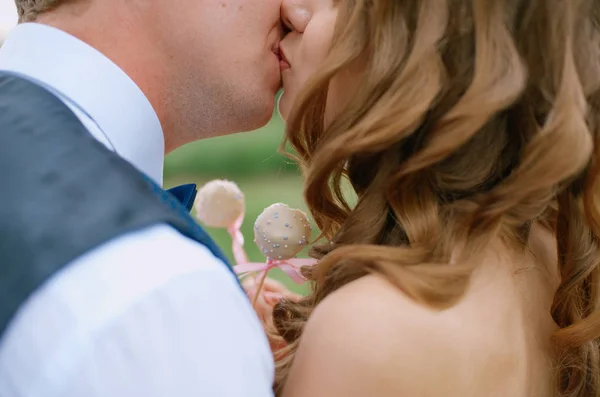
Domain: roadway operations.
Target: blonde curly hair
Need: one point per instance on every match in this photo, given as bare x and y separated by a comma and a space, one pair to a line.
473, 119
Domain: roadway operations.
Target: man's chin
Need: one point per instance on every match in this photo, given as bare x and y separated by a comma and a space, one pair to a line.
258, 117
251, 112
264, 118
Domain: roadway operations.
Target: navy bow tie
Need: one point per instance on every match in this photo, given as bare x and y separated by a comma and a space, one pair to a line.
186, 194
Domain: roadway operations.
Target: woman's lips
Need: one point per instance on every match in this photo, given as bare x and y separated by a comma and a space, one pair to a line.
284, 64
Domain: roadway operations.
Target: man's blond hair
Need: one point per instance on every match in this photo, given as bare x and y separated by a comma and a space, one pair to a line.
29, 10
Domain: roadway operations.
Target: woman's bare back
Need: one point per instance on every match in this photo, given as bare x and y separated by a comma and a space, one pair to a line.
506, 325
494, 343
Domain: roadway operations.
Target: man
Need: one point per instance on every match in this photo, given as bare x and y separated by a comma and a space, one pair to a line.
151, 311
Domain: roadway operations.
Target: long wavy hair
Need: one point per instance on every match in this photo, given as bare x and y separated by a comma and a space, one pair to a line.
472, 120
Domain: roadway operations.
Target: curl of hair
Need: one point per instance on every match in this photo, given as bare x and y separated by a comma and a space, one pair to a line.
472, 120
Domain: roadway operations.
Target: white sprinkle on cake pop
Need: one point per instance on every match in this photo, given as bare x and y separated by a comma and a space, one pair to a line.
219, 203
281, 232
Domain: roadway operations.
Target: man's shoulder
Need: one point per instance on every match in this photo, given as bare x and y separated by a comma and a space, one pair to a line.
115, 276
156, 245
147, 260
164, 299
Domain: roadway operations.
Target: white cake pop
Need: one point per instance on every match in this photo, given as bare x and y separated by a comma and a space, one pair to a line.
219, 203
281, 232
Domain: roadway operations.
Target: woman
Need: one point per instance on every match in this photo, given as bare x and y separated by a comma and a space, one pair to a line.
468, 129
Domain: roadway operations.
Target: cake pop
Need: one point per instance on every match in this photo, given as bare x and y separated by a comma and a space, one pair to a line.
219, 203
281, 232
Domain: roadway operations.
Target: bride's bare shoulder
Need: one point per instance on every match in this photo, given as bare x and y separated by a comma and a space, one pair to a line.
370, 339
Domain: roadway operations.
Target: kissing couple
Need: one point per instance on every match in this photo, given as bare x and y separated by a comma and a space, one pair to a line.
469, 131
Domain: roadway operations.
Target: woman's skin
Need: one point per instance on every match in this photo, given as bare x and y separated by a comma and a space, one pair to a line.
311, 25
369, 339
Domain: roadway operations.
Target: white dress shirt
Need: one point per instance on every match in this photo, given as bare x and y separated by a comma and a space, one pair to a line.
150, 313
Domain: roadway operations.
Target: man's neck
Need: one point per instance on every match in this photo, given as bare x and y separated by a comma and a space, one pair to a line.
125, 43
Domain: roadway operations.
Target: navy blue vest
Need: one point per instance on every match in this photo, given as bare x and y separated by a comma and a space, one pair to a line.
62, 193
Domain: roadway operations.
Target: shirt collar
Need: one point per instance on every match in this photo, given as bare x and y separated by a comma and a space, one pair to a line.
95, 85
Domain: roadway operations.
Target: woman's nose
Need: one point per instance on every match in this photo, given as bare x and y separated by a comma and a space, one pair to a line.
295, 14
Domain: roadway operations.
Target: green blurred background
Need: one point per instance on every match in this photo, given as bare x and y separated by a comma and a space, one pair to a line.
252, 160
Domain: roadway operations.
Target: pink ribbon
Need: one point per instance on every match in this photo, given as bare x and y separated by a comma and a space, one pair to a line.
291, 267
237, 238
